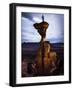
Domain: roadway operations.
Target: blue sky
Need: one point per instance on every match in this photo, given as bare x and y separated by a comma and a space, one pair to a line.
55, 31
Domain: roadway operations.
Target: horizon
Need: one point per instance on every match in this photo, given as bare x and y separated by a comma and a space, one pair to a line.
39, 42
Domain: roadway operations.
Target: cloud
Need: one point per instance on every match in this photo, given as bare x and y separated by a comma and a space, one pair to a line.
28, 32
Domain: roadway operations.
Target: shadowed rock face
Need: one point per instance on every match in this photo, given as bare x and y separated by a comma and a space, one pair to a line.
46, 59
41, 28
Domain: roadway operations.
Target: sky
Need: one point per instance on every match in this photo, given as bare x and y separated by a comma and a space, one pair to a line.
54, 33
